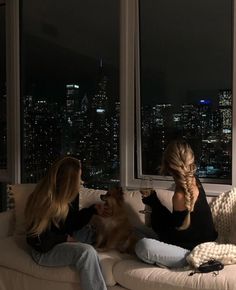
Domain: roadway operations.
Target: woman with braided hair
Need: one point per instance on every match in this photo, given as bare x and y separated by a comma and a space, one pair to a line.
190, 222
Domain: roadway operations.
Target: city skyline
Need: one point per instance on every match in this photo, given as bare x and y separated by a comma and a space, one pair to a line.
52, 128
97, 105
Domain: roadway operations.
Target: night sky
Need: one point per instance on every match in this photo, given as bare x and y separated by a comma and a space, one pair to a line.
186, 48
186, 45
63, 42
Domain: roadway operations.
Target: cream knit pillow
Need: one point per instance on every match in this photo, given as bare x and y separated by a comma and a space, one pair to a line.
223, 210
225, 253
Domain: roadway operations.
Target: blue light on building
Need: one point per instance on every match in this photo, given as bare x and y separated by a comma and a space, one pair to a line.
204, 102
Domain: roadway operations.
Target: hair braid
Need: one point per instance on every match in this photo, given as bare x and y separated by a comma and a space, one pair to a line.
178, 160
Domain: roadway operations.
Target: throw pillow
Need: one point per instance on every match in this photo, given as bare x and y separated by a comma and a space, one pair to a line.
6, 224
223, 210
20, 193
132, 199
225, 253
88, 196
232, 233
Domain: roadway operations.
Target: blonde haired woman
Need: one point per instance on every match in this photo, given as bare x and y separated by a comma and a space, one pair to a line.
53, 216
189, 224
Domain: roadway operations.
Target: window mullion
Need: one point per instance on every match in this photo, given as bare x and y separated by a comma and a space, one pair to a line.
13, 90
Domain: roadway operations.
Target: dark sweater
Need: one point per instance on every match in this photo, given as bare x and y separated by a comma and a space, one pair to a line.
165, 223
75, 220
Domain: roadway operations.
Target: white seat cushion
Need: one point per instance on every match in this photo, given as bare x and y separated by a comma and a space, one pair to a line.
135, 275
15, 254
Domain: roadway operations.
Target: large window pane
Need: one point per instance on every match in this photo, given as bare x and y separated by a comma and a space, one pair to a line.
186, 82
70, 98
3, 106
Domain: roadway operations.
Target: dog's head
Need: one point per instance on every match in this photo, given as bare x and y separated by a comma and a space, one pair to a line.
114, 196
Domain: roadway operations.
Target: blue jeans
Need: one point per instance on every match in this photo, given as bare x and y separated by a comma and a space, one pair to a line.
86, 235
80, 255
152, 251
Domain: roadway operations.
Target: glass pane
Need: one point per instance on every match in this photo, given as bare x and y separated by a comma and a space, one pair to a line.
3, 91
70, 97
186, 82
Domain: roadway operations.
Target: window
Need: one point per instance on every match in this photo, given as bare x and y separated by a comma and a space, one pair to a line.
69, 78
50, 51
186, 65
3, 90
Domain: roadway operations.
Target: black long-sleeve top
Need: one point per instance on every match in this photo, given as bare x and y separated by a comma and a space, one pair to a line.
165, 223
75, 220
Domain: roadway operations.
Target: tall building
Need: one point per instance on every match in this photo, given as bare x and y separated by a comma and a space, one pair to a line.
189, 120
41, 136
225, 108
100, 98
70, 118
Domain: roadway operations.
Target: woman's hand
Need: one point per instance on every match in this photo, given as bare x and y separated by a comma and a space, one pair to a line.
103, 210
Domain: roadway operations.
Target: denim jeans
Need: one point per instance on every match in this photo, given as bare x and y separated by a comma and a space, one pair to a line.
86, 235
80, 255
152, 251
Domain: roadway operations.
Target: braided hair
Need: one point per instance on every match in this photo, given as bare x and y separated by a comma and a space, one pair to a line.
178, 160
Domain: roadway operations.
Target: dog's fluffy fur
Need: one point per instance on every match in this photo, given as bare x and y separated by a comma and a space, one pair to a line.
114, 231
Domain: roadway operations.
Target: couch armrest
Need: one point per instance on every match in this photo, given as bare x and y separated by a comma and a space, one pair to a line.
6, 223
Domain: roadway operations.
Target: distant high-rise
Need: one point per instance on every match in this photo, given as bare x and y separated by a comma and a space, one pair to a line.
100, 98
41, 136
225, 108
70, 117
72, 99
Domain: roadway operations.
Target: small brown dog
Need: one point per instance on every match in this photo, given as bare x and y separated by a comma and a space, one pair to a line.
114, 231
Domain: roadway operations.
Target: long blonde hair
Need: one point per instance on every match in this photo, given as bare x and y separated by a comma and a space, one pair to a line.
49, 202
178, 160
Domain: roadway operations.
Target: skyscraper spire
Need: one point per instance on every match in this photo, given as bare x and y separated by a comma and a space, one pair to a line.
101, 63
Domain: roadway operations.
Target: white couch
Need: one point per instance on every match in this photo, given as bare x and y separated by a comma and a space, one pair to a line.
19, 272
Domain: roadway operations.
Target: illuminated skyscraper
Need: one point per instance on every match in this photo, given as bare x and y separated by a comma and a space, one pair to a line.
100, 98
41, 136
70, 117
225, 107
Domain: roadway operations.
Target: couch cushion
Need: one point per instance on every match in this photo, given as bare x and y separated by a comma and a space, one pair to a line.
89, 196
6, 223
165, 196
108, 260
136, 275
15, 254
20, 193
133, 203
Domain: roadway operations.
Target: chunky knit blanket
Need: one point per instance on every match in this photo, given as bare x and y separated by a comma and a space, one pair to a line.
224, 216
